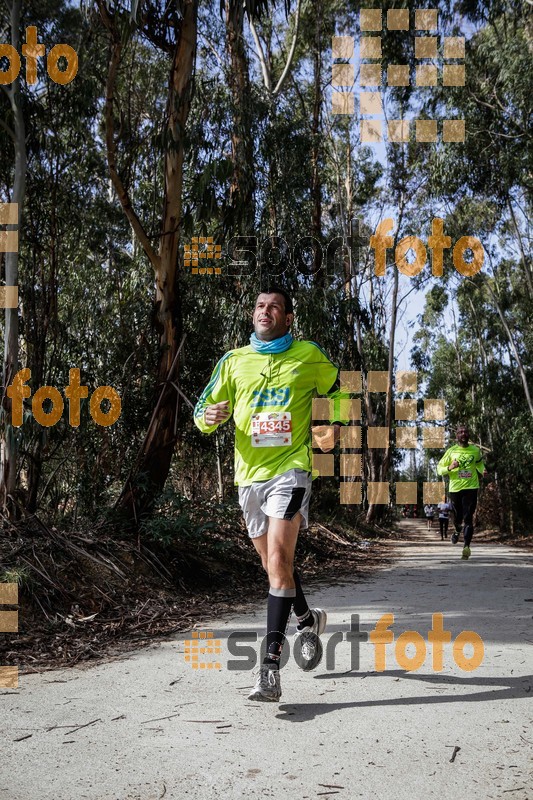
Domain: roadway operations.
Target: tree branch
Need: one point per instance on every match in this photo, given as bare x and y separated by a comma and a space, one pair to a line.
261, 56
267, 78
122, 192
285, 72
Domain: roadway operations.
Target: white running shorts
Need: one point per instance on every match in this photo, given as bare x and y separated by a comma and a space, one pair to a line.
282, 497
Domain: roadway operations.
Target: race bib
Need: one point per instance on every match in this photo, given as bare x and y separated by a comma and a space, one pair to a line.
271, 429
465, 473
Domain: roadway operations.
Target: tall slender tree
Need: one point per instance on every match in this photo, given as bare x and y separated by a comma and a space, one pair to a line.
15, 127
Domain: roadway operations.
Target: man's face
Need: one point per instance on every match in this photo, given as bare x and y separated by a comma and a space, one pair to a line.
269, 318
463, 435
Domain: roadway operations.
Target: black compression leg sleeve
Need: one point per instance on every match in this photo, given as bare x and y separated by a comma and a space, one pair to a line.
300, 603
278, 612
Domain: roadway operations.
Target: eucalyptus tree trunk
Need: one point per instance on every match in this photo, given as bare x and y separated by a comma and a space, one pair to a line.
151, 468
385, 464
266, 61
242, 153
316, 183
8, 459
526, 265
513, 348
516, 354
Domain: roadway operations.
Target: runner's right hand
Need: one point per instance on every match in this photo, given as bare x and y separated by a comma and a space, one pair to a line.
218, 412
454, 464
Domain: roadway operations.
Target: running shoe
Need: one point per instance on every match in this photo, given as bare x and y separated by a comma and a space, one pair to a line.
308, 650
466, 553
267, 687
455, 537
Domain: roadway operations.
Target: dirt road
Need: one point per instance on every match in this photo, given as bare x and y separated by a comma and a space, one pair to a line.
149, 726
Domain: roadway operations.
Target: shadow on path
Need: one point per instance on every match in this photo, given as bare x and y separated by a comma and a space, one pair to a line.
514, 688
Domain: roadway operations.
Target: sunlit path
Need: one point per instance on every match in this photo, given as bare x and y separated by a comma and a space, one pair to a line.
153, 722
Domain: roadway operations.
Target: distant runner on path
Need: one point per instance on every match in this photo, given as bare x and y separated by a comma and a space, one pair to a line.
268, 387
463, 463
429, 512
444, 518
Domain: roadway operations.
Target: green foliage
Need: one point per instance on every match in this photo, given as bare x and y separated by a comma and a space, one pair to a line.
171, 522
19, 575
87, 289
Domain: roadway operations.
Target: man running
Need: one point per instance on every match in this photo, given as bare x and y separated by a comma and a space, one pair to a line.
268, 387
429, 511
463, 463
444, 509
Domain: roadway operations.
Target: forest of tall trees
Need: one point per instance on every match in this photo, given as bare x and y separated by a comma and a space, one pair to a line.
174, 176
214, 119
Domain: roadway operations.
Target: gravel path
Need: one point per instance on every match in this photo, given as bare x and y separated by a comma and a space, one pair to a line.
148, 726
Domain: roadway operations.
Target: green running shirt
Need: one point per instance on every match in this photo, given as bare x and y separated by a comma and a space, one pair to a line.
270, 397
471, 466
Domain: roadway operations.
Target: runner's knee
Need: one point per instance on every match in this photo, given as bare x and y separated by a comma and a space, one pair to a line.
280, 565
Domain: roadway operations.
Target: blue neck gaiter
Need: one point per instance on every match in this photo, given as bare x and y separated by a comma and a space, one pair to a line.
275, 346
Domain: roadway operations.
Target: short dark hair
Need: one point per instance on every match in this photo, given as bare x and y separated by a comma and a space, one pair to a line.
289, 308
